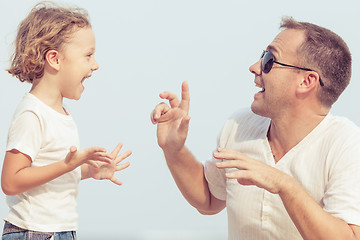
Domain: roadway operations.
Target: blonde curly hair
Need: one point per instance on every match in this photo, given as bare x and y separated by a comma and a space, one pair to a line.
47, 27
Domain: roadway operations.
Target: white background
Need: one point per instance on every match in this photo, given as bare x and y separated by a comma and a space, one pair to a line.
143, 48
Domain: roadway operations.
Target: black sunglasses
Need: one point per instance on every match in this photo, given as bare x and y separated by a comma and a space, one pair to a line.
268, 61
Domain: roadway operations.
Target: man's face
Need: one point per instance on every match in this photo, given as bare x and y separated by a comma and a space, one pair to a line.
278, 86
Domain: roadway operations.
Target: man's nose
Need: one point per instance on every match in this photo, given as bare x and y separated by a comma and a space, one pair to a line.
256, 68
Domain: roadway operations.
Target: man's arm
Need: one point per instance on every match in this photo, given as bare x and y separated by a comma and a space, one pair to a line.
172, 128
189, 176
309, 218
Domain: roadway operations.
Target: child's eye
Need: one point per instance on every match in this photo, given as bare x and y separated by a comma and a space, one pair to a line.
90, 54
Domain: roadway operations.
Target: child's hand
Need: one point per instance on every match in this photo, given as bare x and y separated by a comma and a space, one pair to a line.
76, 157
104, 170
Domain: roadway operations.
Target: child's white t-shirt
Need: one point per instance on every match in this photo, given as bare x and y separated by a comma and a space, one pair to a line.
45, 136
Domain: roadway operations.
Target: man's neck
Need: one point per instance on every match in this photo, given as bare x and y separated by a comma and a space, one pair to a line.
286, 132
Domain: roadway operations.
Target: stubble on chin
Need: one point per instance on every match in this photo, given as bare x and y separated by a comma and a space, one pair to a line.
259, 110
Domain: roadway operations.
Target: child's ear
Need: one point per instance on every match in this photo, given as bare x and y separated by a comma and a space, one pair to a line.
52, 59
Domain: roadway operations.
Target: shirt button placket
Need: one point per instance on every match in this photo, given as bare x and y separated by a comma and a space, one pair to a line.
265, 211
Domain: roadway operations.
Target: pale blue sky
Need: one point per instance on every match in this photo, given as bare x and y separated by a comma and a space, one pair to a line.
143, 48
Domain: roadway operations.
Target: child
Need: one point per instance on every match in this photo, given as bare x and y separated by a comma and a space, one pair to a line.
54, 52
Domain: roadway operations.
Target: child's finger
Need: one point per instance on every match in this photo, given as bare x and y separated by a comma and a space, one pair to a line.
122, 166
103, 154
70, 155
73, 149
116, 181
116, 150
123, 156
95, 149
93, 164
105, 159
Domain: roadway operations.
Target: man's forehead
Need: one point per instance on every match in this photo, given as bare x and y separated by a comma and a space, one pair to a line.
287, 40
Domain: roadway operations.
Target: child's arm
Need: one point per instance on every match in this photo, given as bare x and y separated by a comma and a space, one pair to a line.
19, 176
104, 170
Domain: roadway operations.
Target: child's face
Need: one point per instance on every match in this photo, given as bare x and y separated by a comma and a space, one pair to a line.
77, 63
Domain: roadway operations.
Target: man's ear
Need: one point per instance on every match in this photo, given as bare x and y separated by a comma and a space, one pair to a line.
52, 59
309, 82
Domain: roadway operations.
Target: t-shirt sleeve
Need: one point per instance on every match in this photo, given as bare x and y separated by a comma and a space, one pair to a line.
214, 176
342, 196
25, 134
216, 179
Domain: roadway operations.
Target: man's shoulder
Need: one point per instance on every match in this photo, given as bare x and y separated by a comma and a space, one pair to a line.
245, 125
339, 133
342, 126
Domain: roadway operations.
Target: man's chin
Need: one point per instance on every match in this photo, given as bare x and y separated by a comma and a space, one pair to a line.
258, 110
254, 108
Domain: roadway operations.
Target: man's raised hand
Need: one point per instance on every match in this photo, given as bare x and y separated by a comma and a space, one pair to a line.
172, 121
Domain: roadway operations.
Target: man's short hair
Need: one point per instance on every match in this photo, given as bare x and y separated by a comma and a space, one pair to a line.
327, 53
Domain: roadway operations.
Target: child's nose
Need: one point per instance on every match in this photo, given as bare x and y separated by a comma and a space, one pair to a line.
95, 66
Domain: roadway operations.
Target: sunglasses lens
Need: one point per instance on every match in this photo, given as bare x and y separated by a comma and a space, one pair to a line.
267, 62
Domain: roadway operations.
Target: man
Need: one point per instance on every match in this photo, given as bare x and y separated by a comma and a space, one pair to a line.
288, 169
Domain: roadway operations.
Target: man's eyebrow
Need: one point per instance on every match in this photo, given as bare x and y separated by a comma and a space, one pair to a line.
272, 49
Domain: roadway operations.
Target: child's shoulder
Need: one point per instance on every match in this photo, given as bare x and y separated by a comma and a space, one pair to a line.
33, 105
29, 103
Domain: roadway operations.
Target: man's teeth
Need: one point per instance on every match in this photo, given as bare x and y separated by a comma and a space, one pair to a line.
260, 86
